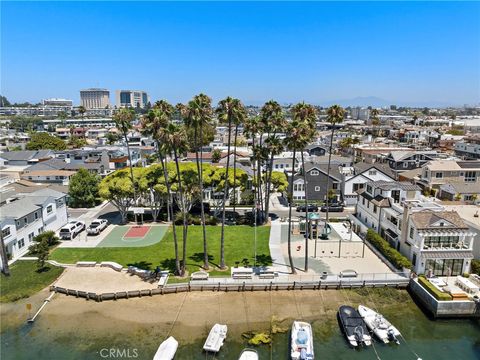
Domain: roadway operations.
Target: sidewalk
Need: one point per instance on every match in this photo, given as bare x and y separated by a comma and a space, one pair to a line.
279, 263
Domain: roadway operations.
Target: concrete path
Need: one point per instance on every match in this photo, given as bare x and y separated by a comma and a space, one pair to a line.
276, 252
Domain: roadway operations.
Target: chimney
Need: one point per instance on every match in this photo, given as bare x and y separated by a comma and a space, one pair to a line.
406, 215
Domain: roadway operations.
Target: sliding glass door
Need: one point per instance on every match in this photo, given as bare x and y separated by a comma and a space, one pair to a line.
444, 267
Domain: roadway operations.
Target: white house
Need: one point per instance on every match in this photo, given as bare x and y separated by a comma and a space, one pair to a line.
21, 220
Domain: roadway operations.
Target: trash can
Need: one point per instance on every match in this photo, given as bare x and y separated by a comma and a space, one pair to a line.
324, 275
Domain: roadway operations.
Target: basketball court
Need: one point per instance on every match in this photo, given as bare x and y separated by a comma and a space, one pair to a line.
134, 236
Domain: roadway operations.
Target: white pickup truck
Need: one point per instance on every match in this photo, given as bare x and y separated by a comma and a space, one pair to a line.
69, 231
97, 226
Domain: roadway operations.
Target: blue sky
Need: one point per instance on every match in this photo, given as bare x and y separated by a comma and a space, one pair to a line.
317, 51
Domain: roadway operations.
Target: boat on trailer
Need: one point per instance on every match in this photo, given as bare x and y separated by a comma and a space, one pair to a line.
353, 326
248, 354
215, 338
380, 326
301, 347
167, 349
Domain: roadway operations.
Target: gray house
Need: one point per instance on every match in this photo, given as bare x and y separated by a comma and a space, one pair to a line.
316, 189
407, 160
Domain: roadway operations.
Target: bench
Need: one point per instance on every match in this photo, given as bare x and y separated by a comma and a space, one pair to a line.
267, 275
111, 265
199, 275
241, 276
86, 263
242, 273
163, 278
348, 274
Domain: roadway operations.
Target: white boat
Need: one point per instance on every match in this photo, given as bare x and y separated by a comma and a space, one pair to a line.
215, 338
248, 354
301, 347
167, 349
380, 326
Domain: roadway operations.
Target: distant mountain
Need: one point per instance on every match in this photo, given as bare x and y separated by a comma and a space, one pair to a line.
379, 102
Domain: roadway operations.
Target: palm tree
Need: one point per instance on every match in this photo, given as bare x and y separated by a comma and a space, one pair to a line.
154, 124
335, 115
251, 129
174, 138
82, 110
123, 119
196, 114
294, 140
273, 121
230, 111
305, 115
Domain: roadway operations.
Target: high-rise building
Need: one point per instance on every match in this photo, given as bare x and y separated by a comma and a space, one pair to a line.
132, 98
95, 98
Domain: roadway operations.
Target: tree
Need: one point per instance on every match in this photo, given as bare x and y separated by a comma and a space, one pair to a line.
208, 135
83, 189
48, 236
196, 115
216, 156
335, 115
155, 123
229, 111
82, 110
305, 115
76, 142
118, 189
123, 119
374, 114
152, 188
41, 251
111, 138
4, 102
42, 140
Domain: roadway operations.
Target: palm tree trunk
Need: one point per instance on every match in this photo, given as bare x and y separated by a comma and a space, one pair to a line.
235, 172
202, 211
170, 211
225, 193
290, 259
307, 228
328, 172
268, 186
3, 254
185, 221
131, 171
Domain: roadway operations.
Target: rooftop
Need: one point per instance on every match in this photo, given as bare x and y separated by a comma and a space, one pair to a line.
433, 219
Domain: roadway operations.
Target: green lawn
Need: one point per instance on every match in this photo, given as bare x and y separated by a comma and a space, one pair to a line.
239, 244
24, 280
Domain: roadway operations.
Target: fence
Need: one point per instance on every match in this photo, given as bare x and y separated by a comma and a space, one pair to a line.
227, 284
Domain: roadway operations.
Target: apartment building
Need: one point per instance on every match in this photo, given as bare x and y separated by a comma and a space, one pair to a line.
469, 148
29, 215
132, 98
430, 237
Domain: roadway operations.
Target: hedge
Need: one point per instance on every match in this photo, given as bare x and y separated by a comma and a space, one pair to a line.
437, 294
475, 267
397, 259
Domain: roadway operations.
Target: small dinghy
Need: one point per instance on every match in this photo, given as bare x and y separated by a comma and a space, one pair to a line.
215, 338
301, 341
167, 349
353, 326
380, 326
248, 354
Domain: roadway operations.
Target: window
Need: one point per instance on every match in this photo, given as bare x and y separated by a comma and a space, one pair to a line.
21, 243
48, 177
470, 176
334, 186
375, 208
372, 172
442, 267
49, 209
6, 232
357, 186
369, 189
276, 166
281, 166
41, 230
396, 196
405, 165
36, 215
314, 172
439, 175
317, 188
25, 220
410, 235
30, 237
363, 201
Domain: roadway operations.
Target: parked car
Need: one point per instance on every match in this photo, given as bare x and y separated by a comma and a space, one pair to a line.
311, 208
97, 226
69, 231
332, 208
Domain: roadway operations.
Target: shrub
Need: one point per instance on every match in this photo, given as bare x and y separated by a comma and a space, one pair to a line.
395, 258
48, 236
437, 294
475, 267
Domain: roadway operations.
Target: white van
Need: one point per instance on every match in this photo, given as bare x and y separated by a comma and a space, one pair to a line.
69, 231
